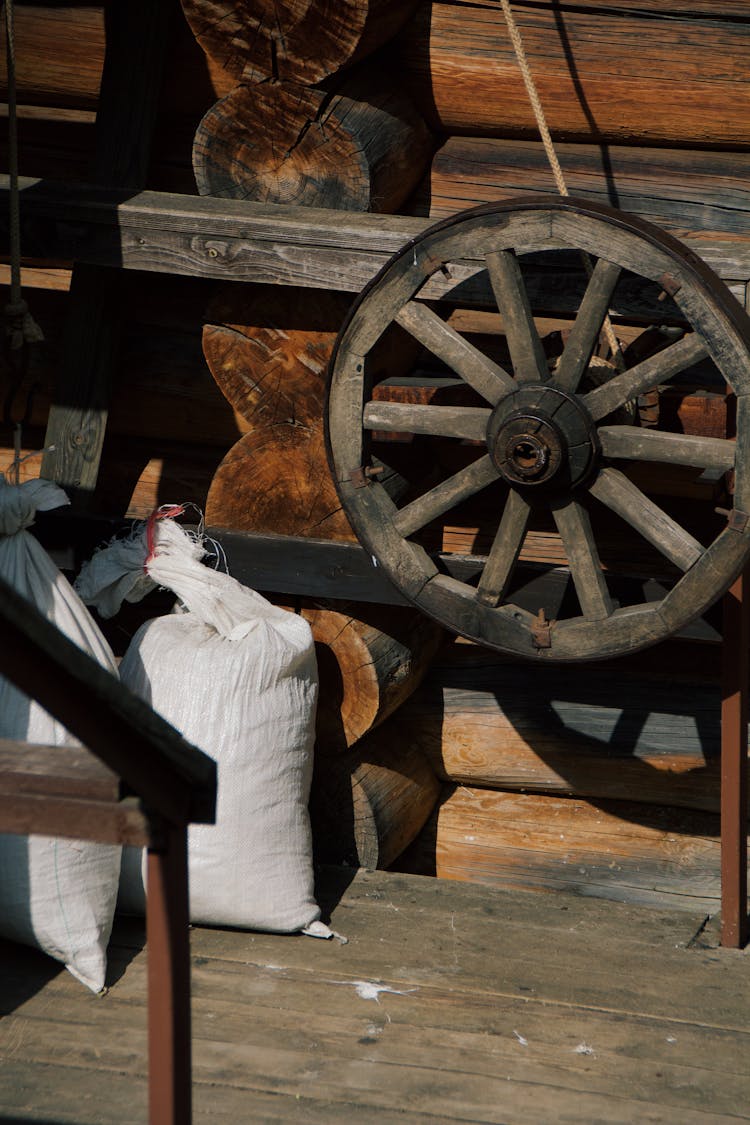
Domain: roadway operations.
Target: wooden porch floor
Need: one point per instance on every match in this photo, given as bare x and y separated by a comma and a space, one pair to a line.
452, 1002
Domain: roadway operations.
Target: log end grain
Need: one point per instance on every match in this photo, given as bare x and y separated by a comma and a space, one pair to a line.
362, 149
296, 40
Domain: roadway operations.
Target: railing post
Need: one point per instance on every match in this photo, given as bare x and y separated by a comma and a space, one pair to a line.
168, 954
734, 716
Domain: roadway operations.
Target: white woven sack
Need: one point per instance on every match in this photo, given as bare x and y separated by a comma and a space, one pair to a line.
237, 677
56, 894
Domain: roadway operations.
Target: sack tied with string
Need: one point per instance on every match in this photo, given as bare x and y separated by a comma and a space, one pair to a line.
237, 676
56, 894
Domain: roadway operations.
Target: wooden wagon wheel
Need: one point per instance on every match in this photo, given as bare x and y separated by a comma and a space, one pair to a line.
543, 442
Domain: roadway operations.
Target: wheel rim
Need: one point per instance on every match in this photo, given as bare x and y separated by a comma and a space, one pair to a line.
554, 444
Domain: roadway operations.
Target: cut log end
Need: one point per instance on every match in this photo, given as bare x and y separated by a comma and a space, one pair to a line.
369, 664
362, 149
302, 41
366, 808
275, 480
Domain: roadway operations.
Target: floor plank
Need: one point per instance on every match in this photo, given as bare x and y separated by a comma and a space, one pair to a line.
450, 1003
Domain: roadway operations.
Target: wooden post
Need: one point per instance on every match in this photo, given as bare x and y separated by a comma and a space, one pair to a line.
734, 716
168, 947
136, 34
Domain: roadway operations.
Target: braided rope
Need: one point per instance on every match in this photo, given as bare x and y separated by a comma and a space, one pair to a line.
549, 148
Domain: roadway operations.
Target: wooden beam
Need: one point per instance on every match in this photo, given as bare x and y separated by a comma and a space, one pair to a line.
136, 34
342, 571
236, 240
121, 822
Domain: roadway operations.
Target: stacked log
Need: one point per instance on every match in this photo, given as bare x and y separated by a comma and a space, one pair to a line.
362, 148
59, 62
606, 784
270, 363
301, 126
642, 728
294, 41
627, 852
288, 103
607, 73
692, 193
368, 806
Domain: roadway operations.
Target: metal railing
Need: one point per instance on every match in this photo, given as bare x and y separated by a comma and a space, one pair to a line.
138, 782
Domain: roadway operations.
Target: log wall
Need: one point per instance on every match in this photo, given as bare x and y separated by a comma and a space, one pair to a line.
627, 852
413, 108
606, 72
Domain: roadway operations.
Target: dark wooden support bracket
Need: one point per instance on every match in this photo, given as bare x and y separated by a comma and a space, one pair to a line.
136, 36
734, 746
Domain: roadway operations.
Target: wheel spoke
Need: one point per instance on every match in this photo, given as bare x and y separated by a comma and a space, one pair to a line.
620, 495
505, 550
645, 376
577, 536
469, 422
445, 496
588, 324
526, 352
630, 443
487, 378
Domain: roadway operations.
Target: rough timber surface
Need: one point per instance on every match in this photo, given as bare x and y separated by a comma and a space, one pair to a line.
450, 1003
239, 240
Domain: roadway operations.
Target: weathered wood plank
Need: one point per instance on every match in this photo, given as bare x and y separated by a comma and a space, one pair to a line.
645, 729
660, 77
470, 1016
242, 241
622, 851
680, 189
106, 822
60, 770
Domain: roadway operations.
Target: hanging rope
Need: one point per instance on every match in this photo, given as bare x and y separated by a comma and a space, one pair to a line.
549, 148
20, 325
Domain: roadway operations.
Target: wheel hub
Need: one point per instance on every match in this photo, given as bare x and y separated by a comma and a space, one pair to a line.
541, 436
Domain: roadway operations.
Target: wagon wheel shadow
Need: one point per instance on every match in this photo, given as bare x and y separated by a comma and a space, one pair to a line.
554, 708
